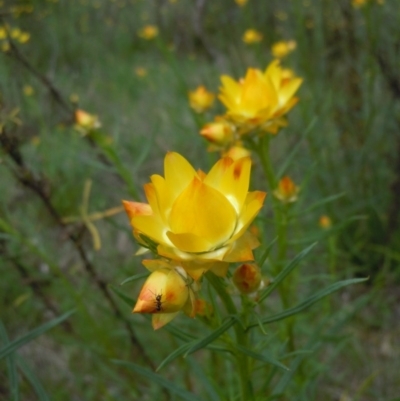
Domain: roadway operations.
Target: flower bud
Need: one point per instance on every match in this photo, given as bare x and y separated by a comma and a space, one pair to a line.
201, 99
247, 278
165, 291
219, 132
85, 122
287, 190
237, 152
325, 222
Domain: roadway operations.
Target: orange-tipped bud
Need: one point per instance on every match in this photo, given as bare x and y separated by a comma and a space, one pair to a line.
247, 278
287, 191
237, 152
325, 222
85, 122
201, 99
165, 291
219, 132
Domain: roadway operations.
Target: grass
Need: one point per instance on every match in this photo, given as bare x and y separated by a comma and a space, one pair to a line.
344, 135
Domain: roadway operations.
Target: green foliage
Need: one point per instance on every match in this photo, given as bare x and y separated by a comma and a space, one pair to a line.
341, 147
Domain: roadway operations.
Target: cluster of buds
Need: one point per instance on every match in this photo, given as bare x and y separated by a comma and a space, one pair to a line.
193, 222
258, 102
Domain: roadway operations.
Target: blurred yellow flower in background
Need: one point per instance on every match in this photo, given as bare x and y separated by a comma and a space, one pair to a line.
140, 72
358, 3
241, 3
28, 90
199, 220
148, 32
85, 122
201, 99
287, 191
282, 48
325, 221
252, 36
260, 99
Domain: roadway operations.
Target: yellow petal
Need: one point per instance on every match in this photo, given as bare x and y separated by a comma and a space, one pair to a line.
204, 212
178, 173
151, 226
189, 242
231, 179
161, 319
136, 209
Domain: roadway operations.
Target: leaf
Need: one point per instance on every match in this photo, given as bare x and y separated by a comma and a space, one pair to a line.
321, 202
155, 378
134, 278
14, 345
37, 386
261, 357
128, 300
265, 293
175, 354
264, 256
211, 337
309, 301
11, 366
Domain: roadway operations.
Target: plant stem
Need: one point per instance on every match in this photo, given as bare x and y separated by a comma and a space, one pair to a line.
242, 362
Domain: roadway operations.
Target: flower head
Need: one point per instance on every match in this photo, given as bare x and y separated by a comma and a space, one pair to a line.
252, 36
148, 32
201, 99
260, 99
198, 219
283, 48
287, 191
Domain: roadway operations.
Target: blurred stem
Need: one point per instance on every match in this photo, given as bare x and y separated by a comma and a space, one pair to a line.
242, 361
281, 223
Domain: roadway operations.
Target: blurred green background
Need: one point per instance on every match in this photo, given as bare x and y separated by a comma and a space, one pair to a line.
343, 142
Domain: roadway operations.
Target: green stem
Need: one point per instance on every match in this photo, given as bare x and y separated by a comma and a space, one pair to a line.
242, 361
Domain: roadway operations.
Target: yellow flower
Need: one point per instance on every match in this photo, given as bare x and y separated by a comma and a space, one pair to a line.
3, 33
148, 32
241, 3
325, 222
165, 293
200, 99
252, 36
260, 99
247, 278
85, 122
282, 48
287, 190
198, 219
219, 132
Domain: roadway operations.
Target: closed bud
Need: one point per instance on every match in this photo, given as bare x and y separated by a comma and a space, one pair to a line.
219, 132
165, 291
287, 190
247, 278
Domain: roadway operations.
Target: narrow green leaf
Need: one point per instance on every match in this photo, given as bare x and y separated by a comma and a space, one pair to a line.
265, 255
320, 203
14, 345
175, 354
265, 293
211, 337
134, 278
309, 301
157, 379
128, 300
261, 357
11, 366
33, 380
